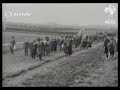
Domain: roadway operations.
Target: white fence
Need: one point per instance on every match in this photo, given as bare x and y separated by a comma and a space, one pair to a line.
6, 48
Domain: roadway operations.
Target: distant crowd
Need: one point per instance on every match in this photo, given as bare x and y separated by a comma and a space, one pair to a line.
38, 47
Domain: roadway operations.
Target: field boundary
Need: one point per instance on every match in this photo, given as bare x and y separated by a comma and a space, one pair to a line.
6, 44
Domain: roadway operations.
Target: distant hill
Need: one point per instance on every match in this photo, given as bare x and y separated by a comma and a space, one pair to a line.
56, 28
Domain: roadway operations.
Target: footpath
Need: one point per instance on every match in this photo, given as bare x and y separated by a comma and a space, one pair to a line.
16, 64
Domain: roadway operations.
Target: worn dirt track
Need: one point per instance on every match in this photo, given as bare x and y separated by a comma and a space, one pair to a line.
83, 69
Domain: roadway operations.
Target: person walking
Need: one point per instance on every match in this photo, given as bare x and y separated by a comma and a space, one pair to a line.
111, 48
12, 45
39, 48
106, 41
34, 48
69, 48
89, 44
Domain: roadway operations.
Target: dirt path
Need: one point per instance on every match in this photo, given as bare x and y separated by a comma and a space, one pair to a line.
14, 65
84, 68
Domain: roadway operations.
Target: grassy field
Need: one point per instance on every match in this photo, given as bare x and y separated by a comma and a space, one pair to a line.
84, 69
20, 36
87, 69
6, 36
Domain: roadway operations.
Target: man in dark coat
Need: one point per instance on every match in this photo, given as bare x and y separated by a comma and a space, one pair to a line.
84, 44
40, 45
34, 48
89, 43
55, 45
106, 41
70, 48
111, 47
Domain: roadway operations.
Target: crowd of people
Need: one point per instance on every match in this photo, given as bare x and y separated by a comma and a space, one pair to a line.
39, 47
110, 46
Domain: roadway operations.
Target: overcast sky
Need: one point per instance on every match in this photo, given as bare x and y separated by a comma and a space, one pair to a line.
68, 14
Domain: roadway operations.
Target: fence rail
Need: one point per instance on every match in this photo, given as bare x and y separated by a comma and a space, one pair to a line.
6, 48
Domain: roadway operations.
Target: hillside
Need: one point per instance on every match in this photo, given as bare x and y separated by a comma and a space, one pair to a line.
56, 28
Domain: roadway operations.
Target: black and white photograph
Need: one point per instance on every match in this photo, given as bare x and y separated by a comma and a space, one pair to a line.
59, 44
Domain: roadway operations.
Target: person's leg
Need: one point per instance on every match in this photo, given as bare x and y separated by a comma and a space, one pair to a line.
69, 54
39, 56
34, 54
106, 52
12, 50
107, 55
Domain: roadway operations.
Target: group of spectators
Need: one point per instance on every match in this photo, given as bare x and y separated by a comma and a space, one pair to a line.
39, 47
